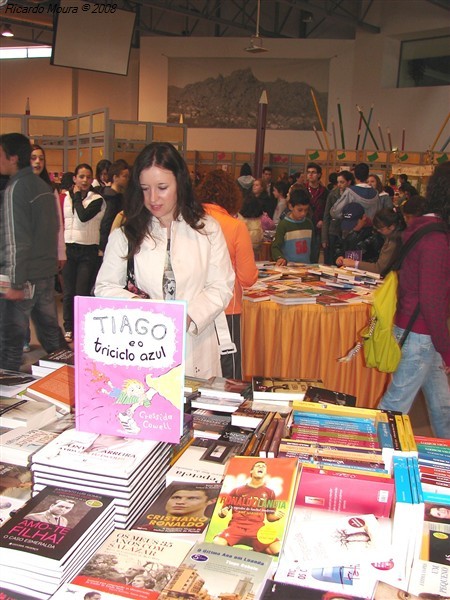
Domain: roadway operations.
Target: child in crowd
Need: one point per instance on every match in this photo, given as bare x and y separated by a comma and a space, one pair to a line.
252, 212
388, 223
358, 239
280, 191
295, 232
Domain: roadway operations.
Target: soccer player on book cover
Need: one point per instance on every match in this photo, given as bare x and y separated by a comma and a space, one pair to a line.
252, 506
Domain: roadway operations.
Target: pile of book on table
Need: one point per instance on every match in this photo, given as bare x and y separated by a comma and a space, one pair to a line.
311, 284
295, 493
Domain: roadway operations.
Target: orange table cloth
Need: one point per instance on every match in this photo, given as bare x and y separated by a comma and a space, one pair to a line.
305, 341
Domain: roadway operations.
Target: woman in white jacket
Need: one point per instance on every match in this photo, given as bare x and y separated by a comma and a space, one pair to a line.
178, 253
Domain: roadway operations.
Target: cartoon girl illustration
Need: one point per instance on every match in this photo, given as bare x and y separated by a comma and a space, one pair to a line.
133, 395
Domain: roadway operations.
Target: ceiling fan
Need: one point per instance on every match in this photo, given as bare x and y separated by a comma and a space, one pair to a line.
256, 43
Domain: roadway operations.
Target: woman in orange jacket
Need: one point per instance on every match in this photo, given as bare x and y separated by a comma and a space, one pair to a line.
222, 200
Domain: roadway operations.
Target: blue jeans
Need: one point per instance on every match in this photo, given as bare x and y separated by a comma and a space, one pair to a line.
420, 367
14, 323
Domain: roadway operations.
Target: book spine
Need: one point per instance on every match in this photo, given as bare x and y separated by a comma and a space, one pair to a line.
430, 441
390, 416
252, 448
401, 433
275, 444
268, 437
409, 434
402, 481
384, 435
356, 421
341, 411
433, 451
337, 438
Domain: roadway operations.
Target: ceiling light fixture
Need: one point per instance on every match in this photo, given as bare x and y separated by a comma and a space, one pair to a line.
7, 31
256, 43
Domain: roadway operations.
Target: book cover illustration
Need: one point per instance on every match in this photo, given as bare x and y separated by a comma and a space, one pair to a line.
50, 524
254, 505
322, 538
184, 508
129, 564
211, 572
15, 489
129, 363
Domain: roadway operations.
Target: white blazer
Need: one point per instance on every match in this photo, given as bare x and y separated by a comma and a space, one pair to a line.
203, 274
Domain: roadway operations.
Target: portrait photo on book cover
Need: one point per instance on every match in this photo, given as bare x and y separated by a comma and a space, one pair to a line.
252, 507
138, 571
60, 511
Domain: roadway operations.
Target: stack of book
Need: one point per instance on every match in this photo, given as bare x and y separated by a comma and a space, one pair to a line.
221, 394
130, 470
209, 423
50, 537
57, 387
24, 412
281, 390
52, 361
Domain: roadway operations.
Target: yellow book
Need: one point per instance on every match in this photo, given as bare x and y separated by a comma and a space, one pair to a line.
401, 433
409, 434
335, 410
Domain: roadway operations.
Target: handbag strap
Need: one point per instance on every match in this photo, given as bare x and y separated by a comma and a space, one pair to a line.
412, 241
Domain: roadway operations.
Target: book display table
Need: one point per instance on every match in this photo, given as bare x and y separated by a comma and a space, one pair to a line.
306, 341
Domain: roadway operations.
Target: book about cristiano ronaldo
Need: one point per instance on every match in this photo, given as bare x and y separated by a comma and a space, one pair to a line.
129, 367
255, 504
129, 564
182, 508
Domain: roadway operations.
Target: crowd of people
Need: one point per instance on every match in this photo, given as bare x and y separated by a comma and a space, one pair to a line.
150, 232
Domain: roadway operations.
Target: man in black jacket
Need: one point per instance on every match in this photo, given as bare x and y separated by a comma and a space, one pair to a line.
29, 261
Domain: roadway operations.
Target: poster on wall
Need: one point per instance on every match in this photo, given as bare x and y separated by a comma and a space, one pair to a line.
224, 93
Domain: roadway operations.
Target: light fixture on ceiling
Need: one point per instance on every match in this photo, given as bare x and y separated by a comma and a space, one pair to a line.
7, 31
256, 43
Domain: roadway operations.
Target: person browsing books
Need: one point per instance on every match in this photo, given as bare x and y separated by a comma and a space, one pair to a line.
358, 240
178, 253
294, 234
55, 513
248, 505
389, 224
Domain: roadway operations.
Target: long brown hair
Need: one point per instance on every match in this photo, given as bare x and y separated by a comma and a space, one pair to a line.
138, 220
